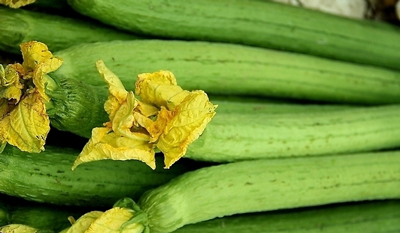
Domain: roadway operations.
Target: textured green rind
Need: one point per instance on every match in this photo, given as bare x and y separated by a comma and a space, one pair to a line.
47, 177
38, 215
253, 22
262, 185
57, 32
233, 137
77, 107
234, 69
365, 217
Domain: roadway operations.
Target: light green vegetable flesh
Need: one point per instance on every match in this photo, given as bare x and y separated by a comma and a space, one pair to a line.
235, 70
233, 137
253, 22
57, 32
47, 177
262, 185
366, 217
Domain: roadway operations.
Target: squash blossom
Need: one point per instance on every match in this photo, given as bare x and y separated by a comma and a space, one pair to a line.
159, 116
16, 3
23, 119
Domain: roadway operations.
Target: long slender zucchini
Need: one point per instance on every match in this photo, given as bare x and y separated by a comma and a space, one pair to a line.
234, 69
47, 177
253, 22
256, 186
37, 215
366, 217
58, 32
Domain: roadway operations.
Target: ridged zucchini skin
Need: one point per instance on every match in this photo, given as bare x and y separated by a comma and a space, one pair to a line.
77, 107
57, 32
263, 185
230, 69
253, 22
47, 177
365, 217
234, 137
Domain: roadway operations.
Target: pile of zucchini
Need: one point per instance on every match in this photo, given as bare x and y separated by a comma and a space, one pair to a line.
306, 135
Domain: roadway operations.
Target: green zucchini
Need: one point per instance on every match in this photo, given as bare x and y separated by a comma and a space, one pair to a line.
234, 70
365, 217
233, 137
253, 22
264, 185
37, 215
58, 32
47, 177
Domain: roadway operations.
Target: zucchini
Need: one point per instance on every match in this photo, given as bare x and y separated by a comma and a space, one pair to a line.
58, 32
234, 70
233, 137
257, 186
47, 177
253, 22
366, 217
37, 215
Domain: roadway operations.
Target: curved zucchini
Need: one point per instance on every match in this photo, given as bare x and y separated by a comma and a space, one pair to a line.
253, 22
47, 177
234, 70
263, 185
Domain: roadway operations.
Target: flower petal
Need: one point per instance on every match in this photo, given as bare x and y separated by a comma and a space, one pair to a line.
105, 144
27, 125
189, 121
113, 220
38, 60
84, 222
159, 89
16, 3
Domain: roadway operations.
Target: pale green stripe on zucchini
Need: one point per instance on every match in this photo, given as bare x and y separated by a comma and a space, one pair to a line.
47, 177
230, 69
256, 23
364, 217
263, 185
233, 137
57, 32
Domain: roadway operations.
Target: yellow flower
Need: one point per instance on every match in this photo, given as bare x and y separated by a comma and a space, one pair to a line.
16, 3
24, 122
164, 117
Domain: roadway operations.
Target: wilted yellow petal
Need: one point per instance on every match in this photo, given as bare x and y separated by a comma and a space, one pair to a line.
155, 128
10, 86
16, 3
189, 121
17, 228
108, 145
123, 119
83, 223
40, 61
116, 90
112, 220
159, 89
27, 125
145, 109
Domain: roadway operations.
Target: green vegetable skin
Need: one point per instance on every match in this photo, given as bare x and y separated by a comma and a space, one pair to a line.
262, 185
57, 32
37, 215
234, 70
239, 136
253, 22
47, 177
366, 217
